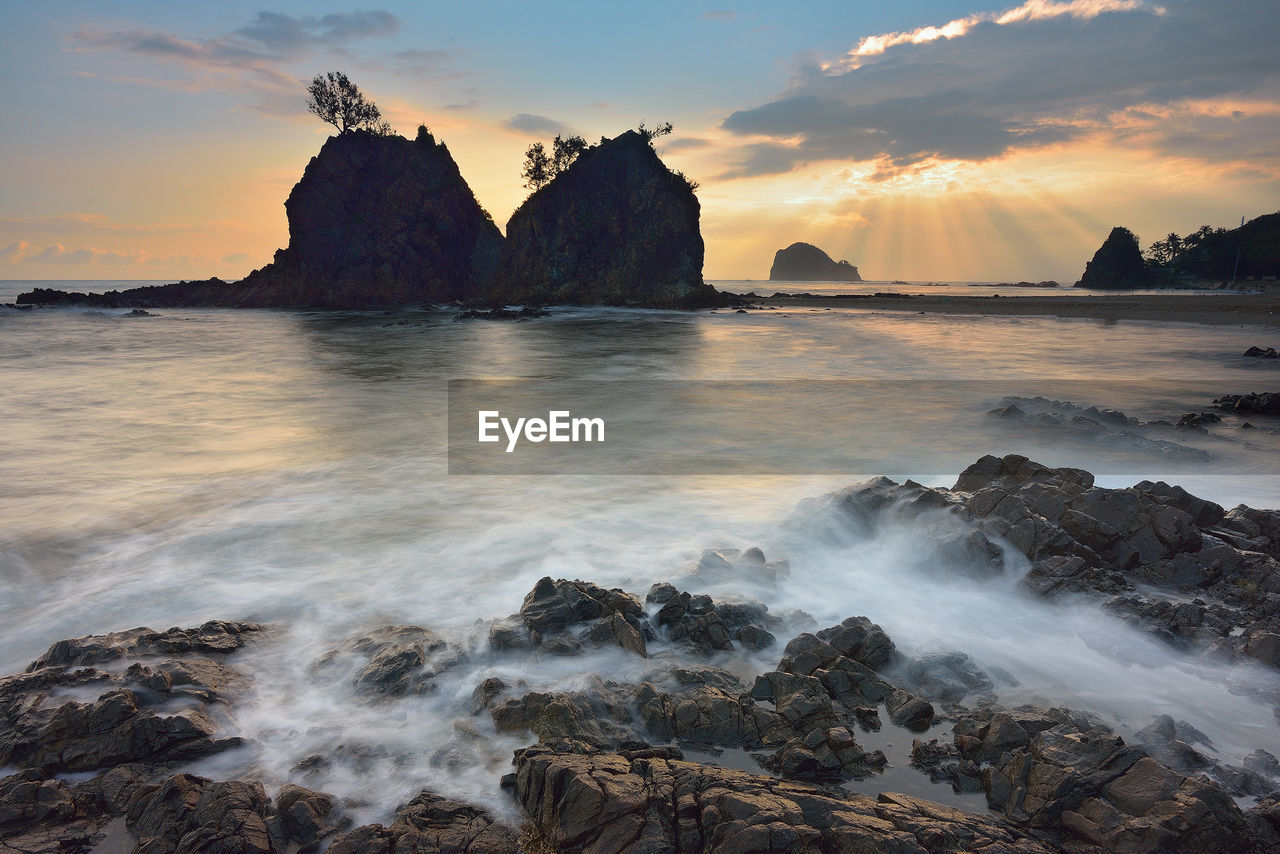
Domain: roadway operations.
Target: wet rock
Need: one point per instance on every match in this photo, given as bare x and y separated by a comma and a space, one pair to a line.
692, 621
825, 754
600, 716
113, 730
907, 710
304, 817
43, 815
392, 661
189, 813
1260, 353
1262, 404
708, 716
1089, 783
730, 565
215, 637
949, 676
857, 638
606, 802
431, 823
554, 606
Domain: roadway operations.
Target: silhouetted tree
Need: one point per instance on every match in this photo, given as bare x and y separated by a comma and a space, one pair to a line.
338, 101
564, 152
537, 167
661, 130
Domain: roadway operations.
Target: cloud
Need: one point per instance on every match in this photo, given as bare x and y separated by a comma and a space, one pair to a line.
89, 222
1034, 75
720, 15
686, 143
251, 57
531, 125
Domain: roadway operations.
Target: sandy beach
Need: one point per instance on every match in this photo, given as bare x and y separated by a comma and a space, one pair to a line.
1261, 309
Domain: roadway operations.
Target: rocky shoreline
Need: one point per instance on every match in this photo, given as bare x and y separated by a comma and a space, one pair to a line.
97, 736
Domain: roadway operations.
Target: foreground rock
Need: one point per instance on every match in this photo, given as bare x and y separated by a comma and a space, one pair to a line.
616, 228
804, 262
607, 802
374, 221
1117, 264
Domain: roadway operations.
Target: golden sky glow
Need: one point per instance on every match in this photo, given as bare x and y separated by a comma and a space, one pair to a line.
951, 140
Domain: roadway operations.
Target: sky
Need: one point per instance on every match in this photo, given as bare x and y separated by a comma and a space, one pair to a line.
935, 140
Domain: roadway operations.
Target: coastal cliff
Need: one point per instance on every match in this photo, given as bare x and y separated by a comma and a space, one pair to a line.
804, 262
615, 228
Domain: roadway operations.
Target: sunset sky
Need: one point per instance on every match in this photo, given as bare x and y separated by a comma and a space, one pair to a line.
947, 139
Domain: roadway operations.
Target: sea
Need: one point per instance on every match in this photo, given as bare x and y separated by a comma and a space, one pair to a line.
301, 469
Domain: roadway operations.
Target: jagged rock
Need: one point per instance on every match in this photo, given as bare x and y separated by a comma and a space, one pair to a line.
1267, 403
393, 661
908, 710
616, 228
304, 817
1088, 782
856, 638
431, 823
40, 815
110, 731
1260, 353
213, 638
949, 676
1117, 264
804, 262
607, 802
553, 606
825, 754
731, 565
194, 814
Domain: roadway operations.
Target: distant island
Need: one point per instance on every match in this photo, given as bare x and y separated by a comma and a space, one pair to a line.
804, 262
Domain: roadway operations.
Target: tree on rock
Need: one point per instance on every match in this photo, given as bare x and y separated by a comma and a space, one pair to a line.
338, 101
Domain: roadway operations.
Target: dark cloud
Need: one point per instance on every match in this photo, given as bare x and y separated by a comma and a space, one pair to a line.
1017, 85
527, 123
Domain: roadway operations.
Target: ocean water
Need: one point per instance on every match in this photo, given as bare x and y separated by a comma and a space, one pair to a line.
293, 468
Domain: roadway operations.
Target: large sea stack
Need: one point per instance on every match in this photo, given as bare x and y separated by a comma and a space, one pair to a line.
804, 262
615, 228
375, 221
1117, 264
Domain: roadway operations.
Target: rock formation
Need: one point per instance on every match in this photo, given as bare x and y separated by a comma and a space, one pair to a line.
375, 221
804, 262
615, 228
97, 733
1117, 264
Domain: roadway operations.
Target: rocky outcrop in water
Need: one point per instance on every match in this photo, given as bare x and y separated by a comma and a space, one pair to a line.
615, 228
1117, 264
804, 262
99, 731
374, 221
597, 802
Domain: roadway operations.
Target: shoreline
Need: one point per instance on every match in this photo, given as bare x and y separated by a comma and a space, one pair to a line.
1222, 309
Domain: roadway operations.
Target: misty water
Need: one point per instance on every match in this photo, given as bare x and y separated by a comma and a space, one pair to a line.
291, 468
